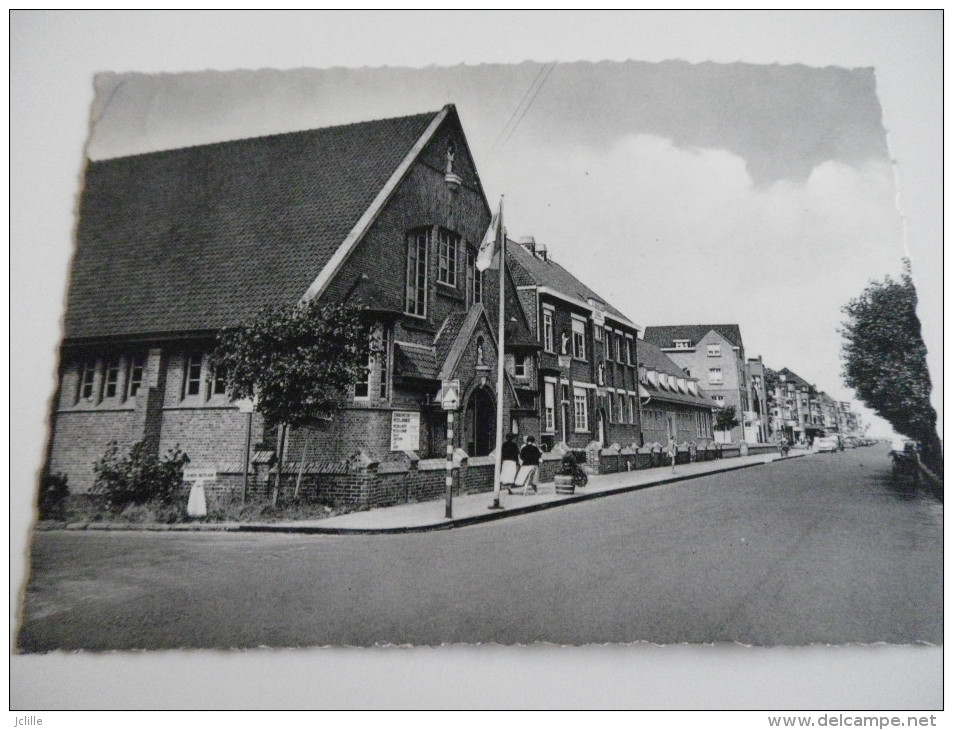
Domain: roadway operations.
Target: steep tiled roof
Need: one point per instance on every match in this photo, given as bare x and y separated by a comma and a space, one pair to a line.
447, 335
792, 377
529, 270
666, 336
204, 237
414, 362
516, 329
654, 359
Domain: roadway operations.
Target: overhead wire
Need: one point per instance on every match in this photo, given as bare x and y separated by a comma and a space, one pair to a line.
525, 103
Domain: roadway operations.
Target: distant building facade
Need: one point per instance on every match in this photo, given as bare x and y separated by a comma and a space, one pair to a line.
715, 356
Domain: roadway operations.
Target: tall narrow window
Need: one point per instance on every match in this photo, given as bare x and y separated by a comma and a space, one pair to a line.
549, 343
618, 347
447, 244
217, 386
581, 410
631, 400
550, 406
111, 378
362, 388
416, 295
474, 279
579, 339
137, 366
610, 397
383, 361
620, 408
86, 379
192, 384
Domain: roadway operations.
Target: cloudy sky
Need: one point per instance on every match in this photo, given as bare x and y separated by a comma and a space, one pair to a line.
762, 195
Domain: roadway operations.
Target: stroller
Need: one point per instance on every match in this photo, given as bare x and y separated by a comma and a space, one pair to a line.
569, 467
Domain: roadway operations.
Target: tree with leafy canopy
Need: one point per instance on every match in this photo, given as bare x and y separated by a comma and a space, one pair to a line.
727, 419
885, 359
295, 361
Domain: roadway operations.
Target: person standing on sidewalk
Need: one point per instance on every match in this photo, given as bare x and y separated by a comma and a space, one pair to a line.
509, 462
672, 450
530, 456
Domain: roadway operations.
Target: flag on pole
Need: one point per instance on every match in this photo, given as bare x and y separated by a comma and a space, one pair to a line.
491, 241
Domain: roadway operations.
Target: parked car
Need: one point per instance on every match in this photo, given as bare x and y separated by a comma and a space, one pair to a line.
825, 443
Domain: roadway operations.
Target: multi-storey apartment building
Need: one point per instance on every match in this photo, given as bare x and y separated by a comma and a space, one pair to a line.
596, 374
713, 354
588, 354
756, 422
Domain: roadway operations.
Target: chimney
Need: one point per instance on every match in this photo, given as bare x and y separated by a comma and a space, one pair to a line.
542, 252
528, 243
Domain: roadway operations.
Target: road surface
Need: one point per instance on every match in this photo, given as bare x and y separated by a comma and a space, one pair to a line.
822, 549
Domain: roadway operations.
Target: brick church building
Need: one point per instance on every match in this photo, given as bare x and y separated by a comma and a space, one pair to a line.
174, 246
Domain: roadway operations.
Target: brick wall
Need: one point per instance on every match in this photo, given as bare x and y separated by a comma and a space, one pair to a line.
211, 437
80, 439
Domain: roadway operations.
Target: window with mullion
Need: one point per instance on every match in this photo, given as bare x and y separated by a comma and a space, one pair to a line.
87, 379
550, 406
192, 383
474, 281
581, 410
579, 339
416, 295
447, 245
111, 378
549, 343
137, 367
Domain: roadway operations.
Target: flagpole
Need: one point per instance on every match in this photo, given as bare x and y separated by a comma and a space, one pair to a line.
501, 362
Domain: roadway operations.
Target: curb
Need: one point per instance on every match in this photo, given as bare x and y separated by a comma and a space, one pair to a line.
495, 515
286, 528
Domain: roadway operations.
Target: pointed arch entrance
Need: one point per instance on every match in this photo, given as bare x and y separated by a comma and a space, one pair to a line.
479, 422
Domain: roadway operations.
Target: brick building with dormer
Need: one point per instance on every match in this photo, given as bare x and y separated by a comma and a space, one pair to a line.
174, 246
594, 371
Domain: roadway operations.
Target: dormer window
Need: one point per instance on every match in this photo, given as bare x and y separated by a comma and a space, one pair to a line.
683, 344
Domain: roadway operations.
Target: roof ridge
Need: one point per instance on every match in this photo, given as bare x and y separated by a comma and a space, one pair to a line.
273, 135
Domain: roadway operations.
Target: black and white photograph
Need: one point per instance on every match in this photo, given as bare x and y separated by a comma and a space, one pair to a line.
533, 361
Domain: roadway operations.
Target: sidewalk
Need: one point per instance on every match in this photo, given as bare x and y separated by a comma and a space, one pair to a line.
473, 508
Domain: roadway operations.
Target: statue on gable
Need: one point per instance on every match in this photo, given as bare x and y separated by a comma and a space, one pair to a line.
450, 155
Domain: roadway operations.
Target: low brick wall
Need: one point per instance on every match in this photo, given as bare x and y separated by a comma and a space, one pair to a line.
361, 482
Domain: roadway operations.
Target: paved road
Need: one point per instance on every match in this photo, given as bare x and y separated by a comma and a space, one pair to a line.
820, 549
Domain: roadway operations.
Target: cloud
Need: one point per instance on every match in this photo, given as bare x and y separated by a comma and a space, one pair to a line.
672, 235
